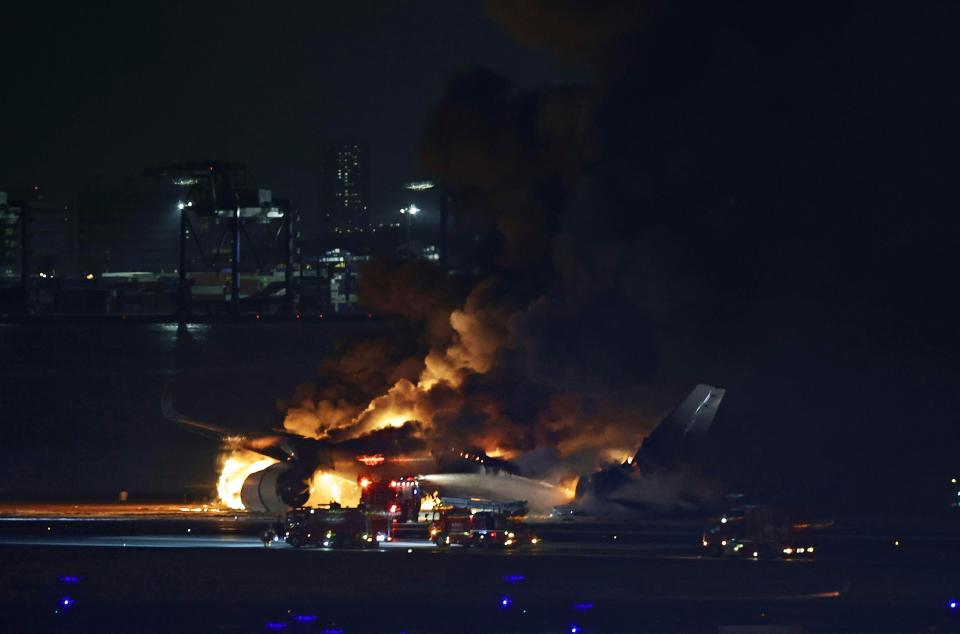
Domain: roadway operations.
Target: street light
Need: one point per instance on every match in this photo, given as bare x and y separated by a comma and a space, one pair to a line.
409, 211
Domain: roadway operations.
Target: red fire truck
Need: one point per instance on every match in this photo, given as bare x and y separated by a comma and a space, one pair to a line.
455, 526
760, 532
332, 526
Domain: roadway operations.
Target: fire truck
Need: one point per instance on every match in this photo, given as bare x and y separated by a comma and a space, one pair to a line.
332, 526
759, 532
482, 528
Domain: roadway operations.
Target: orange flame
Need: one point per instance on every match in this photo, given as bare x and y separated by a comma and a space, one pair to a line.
237, 466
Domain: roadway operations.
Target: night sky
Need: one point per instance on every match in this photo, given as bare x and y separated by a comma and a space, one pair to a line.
756, 195
104, 90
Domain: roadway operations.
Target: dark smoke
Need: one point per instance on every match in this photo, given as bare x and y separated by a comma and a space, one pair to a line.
717, 205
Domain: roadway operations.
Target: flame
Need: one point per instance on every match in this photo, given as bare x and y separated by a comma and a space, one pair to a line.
569, 486
430, 502
326, 487
238, 464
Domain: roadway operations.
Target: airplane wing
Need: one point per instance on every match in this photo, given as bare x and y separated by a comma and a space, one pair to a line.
207, 429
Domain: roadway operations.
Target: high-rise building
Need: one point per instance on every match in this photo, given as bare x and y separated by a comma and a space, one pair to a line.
344, 187
48, 231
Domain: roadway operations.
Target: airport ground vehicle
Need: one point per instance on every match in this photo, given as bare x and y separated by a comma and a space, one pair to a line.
758, 532
491, 529
332, 526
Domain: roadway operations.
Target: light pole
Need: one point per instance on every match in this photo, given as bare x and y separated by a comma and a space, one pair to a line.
410, 211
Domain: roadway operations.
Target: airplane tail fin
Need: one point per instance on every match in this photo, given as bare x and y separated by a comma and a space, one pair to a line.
682, 431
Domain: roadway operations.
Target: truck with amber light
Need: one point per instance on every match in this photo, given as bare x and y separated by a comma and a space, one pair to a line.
455, 526
332, 526
759, 532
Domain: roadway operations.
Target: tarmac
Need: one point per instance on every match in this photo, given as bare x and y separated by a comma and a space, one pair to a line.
156, 568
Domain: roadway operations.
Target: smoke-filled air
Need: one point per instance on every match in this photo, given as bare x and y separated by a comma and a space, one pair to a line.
540, 343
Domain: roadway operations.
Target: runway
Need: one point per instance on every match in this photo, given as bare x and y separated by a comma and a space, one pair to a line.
162, 568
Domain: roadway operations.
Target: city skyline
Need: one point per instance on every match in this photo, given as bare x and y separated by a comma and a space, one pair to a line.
324, 85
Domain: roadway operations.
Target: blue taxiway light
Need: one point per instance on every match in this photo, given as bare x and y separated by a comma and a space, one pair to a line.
582, 606
305, 618
274, 625
505, 602
69, 579
514, 578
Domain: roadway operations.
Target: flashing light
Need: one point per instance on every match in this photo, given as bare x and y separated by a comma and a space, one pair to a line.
896, 543
394, 508
723, 543
705, 543
180, 206
88, 276
505, 602
535, 540
364, 483
723, 520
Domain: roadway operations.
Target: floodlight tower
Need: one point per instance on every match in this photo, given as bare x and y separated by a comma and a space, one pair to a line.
420, 186
409, 212
215, 189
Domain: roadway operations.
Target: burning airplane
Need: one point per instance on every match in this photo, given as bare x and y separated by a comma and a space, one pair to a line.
280, 470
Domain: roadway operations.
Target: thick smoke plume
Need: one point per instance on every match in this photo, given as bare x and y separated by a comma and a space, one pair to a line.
544, 346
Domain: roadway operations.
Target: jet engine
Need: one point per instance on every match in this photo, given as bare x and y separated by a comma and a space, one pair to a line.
276, 489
